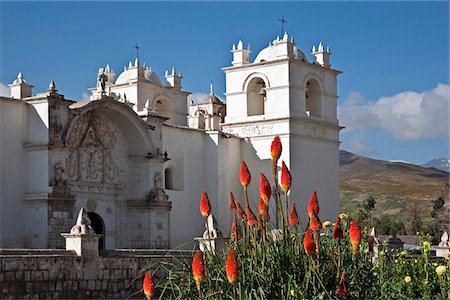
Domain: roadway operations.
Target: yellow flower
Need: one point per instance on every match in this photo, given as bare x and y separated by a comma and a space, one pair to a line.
441, 270
396, 261
326, 224
425, 282
343, 216
293, 293
426, 246
415, 261
435, 264
408, 279
382, 253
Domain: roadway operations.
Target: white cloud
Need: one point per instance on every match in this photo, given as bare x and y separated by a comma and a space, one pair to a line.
357, 145
406, 116
4, 90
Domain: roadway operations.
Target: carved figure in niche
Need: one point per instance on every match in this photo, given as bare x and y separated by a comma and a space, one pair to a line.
91, 165
157, 193
111, 172
60, 182
56, 129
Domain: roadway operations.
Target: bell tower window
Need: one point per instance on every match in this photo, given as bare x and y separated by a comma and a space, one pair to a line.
256, 97
313, 98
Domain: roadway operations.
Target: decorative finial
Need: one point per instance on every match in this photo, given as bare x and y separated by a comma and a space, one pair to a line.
52, 87
320, 47
166, 74
130, 65
136, 62
239, 45
107, 69
285, 37
211, 92
313, 49
20, 76
234, 47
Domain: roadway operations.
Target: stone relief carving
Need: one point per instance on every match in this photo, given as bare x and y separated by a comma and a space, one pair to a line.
252, 130
56, 130
91, 156
60, 182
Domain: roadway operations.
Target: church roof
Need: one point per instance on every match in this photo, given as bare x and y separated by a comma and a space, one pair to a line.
141, 73
211, 98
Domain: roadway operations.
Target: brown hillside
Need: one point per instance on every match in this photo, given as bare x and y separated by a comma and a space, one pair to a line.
394, 185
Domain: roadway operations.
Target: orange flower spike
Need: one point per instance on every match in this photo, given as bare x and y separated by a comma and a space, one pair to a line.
244, 175
313, 205
338, 233
342, 289
205, 206
231, 267
232, 204
355, 236
308, 242
286, 178
276, 148
148, 285
264, 188
198, 268
260, 222
314, 222
293, 216
241, 213
262, 206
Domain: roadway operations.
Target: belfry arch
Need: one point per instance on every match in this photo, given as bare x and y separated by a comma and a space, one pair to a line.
313, 98
256, 97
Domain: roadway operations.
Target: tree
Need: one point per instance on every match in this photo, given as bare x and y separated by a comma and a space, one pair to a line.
415, 217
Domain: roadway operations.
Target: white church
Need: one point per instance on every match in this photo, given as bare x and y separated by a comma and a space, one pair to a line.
137, 154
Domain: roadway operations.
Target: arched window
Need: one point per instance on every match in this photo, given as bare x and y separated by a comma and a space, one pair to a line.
256, 97
168, 179
99, 228
313, 98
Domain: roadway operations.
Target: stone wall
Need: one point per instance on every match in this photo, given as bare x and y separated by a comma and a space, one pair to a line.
59, 274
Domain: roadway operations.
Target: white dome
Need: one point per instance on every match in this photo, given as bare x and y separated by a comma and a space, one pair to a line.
146, 75
271, 53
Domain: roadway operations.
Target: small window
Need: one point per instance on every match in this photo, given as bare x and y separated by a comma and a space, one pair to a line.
313, 98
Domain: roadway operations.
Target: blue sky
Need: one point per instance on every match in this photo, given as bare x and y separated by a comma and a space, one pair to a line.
394, 55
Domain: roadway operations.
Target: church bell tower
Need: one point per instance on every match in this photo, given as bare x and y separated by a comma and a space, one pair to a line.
282, 93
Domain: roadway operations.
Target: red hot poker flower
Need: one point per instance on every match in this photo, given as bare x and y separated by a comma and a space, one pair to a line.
231, 267
198, 268
251, 218
342, 289
262, 206
241, 213
314, 222
308, 242
244, 175
338, 233
276, 148
293, 217
265, 190
148, 285
355, 236
286, 177
313, 205
205, 206
232, 205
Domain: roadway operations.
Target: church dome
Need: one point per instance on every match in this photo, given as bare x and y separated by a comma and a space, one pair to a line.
139, 73
272, 53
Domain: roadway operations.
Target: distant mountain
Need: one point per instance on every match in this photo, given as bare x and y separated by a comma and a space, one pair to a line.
442, 164
395, 185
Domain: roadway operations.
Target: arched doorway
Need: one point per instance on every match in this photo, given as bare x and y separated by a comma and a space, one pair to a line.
99, 228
